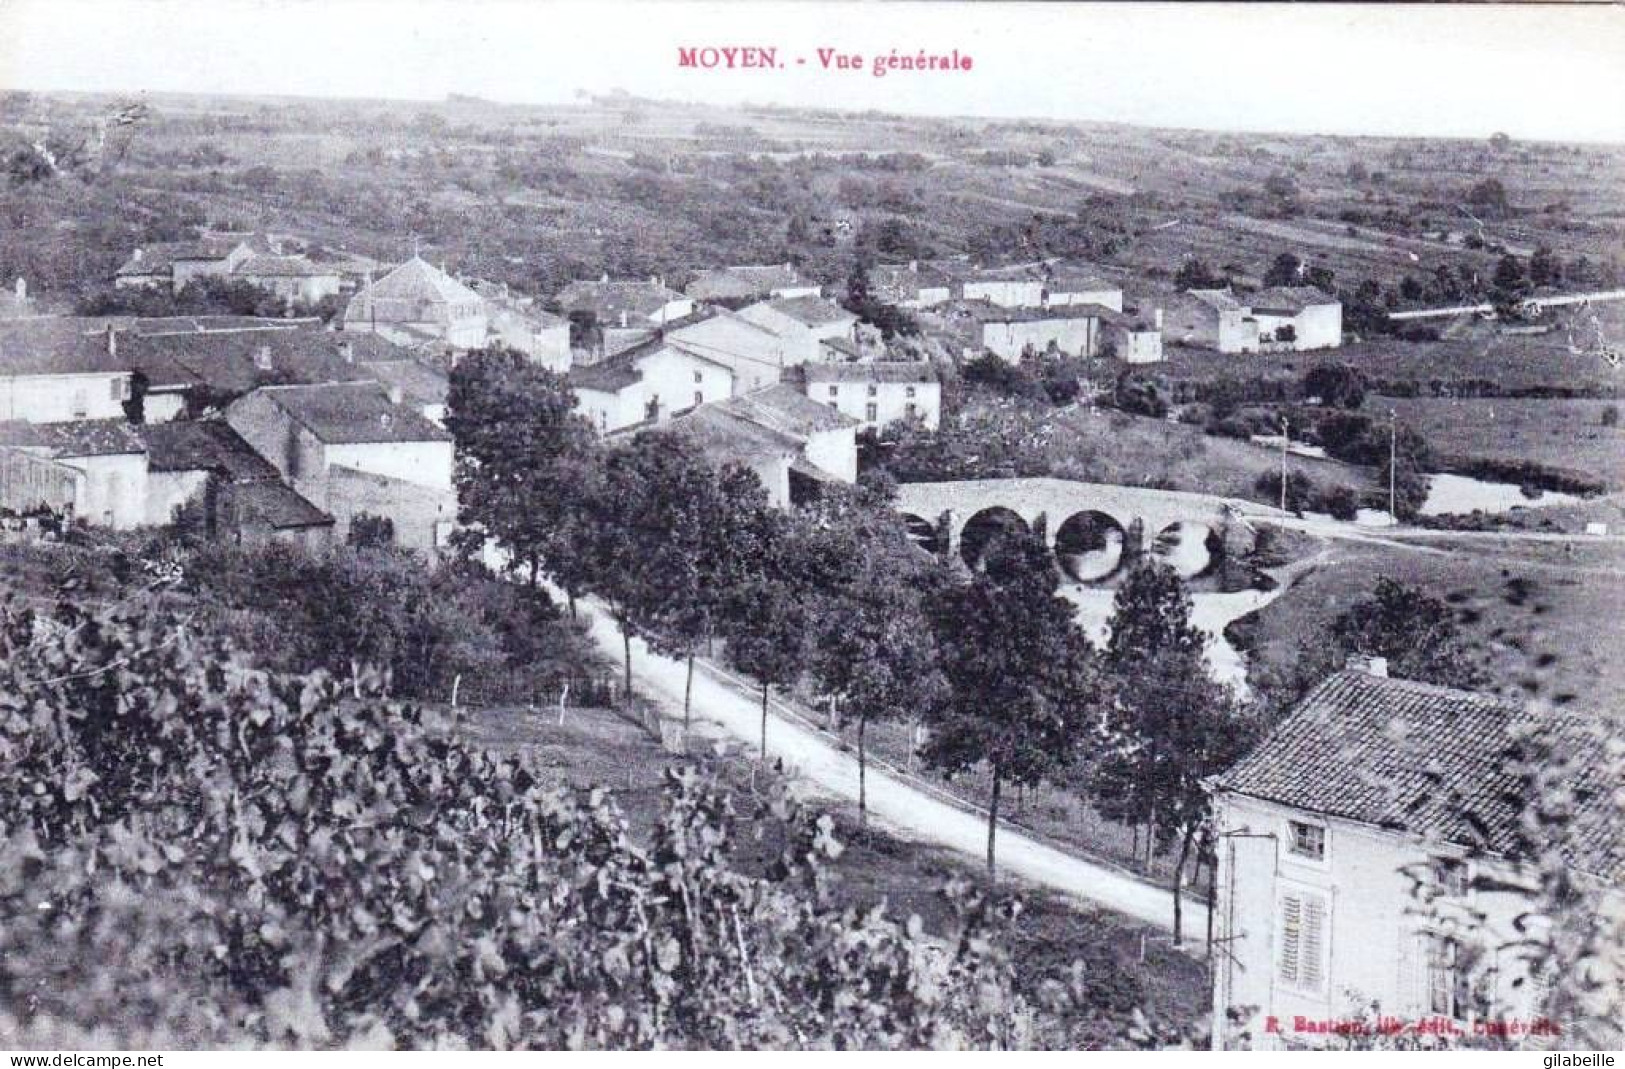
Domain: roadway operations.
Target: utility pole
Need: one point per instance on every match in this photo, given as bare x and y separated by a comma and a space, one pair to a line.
1393, 456
1286, 437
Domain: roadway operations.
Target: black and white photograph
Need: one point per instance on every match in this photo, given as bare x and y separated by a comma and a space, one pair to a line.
811, 525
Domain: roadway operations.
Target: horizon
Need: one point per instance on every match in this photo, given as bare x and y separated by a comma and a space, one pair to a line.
1430, 71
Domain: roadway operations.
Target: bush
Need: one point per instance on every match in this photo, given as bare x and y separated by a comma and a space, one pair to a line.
1341, 502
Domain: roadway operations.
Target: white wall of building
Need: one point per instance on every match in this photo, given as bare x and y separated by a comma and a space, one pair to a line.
1374, 944
1112, 297
757, 355
64, 398
423, 463
1073, 336
834, 451
113, 492
168, 490
1025, 293
876, 404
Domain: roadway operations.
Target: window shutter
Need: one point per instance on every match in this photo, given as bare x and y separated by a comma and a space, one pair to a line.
1314, 941
1291, 938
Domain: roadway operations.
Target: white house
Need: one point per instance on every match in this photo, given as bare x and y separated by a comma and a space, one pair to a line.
349, 449
755, 354
792, 443
418, 302
540, 335
751, 282
1075, 330
1370, 851
803, 323
53, 371
108, 460
1297, 317
648, 384
877, 394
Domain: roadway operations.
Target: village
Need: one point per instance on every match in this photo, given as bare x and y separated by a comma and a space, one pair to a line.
1181, 594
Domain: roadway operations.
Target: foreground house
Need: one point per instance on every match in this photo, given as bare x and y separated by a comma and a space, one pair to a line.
751, 282
1370, 851
417, 303
348, 449
53, 371
877, 394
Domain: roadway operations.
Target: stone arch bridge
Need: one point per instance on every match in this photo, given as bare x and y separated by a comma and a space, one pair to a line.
1093, 528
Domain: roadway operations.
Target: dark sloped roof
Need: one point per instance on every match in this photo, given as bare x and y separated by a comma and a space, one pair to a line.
277, 505
725, 436
267, 265
160, 257
56, 347
345, 413
203, 445
813, 311
419, 382
1291, 299
80, 438
231, 361
882, 371
607, 300
785, 409
1430, 760
1219, 300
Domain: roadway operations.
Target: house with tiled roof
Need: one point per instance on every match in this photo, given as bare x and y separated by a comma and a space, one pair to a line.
649, 383
294, 278
418, 302
1280, 318
347, 448
877, 393
55, 371
206, 464
803, 323
793, 444
1297, 317
751, 282
173, 264
1379, 846
205, 369
625, 304
1011, 333
107, 462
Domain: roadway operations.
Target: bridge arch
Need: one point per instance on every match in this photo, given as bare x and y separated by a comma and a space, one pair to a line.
983, 527
1089, 545
924, 533
1190, 547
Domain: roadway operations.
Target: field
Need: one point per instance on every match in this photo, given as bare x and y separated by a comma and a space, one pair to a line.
1563, 434
1542, 616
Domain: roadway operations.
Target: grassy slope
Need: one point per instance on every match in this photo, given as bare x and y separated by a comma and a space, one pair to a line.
1568, 612
1563, 434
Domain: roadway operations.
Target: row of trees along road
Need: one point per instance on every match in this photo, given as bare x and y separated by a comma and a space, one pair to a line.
833, 594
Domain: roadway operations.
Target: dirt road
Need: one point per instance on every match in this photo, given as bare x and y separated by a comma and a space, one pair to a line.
908, 811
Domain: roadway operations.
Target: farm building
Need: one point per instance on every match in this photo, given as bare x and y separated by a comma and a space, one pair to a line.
911, 285
625, 304
1283, 318
803, 323
54, 371
1075, 330
649, 383
293, 278
109, 487
173, 264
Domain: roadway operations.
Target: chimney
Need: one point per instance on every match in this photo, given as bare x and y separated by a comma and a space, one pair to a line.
1374, 666
604, 277
623, 318
22, 289
137, 256
654, 280
262, 358
112, 341
347, 350
395, 396
913, 266
1156, 318
383, 419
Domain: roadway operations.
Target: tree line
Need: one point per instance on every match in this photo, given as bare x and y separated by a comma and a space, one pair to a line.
833, 599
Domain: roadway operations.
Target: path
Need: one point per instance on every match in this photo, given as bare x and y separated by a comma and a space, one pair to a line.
904, 809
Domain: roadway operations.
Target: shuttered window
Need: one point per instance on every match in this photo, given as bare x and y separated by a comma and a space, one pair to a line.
1303, 940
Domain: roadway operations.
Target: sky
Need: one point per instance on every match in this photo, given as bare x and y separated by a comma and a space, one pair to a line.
1535, 71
